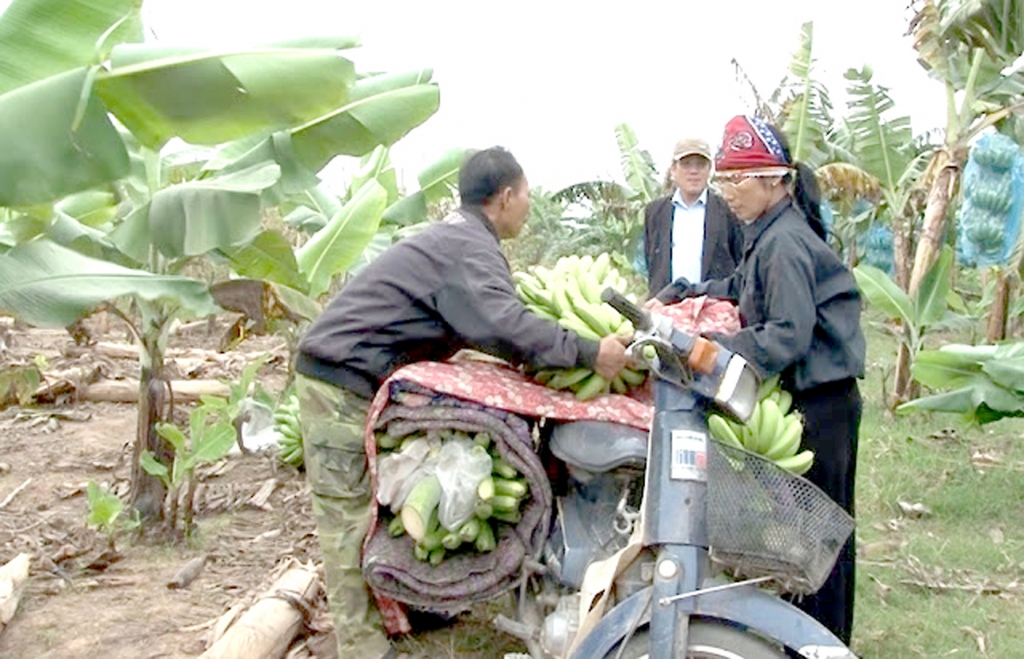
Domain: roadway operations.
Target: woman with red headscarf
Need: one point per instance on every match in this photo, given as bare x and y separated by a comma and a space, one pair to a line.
800, 311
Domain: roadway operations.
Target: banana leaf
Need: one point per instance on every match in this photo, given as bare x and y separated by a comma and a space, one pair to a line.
996, 25
212, 444
982, 400
882, 293
199, 216
45, 284
296, 302
305, 219
376, 166
942, 368
637, 165
1007, 373
438, 181
336, 247
43, 38
930, 302
381, 241
212, 98
269, 257
315, 207
93, 208
807, 113
42, 158
381, 110
877, 139
69, 232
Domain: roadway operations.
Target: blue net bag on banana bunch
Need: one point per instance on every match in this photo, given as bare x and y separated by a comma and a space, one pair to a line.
993, 198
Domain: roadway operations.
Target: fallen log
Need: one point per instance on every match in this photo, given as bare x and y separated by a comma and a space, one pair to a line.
127, 391
13, 576
268, 628
66, 382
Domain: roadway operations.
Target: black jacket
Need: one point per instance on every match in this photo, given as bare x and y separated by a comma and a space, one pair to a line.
798, 303
428, 296
723, 241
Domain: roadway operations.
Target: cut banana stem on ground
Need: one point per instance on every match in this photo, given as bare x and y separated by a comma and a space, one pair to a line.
570, 294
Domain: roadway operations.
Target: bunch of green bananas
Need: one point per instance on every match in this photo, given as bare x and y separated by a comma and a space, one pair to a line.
772, 431
570, 294
499, 499
286, 422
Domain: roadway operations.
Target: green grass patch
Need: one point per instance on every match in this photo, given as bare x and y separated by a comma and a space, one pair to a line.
939, 504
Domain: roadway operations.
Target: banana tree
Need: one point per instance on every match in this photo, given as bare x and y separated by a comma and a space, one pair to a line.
806, 111
296, 105
614, 211
545, 236
918, 314
967, 45
879, 142
883, 162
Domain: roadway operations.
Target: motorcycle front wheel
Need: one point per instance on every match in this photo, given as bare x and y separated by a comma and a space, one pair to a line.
708, 639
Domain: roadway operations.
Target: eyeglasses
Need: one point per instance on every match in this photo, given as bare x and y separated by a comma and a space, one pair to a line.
730, 180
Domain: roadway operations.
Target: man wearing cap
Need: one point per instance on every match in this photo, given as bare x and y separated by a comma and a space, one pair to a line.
690, 233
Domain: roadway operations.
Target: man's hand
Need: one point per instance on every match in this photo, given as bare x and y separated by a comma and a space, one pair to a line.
654, 304
611, 356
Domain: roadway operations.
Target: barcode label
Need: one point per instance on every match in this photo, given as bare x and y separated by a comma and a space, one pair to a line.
689, 455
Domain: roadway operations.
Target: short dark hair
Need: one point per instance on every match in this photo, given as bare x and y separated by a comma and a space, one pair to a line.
485, 173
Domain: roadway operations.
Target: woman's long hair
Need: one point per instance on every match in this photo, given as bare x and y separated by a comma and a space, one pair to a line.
807, 196
806, 192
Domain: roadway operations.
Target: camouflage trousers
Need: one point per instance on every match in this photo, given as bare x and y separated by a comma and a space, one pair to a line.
332, 440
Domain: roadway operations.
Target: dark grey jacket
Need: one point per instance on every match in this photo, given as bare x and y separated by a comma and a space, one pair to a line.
798, 303
723, 241
428, 296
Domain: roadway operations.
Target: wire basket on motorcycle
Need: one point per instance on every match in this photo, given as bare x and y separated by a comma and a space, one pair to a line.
766, 521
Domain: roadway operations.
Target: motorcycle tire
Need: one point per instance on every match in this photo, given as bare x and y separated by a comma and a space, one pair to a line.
708, 639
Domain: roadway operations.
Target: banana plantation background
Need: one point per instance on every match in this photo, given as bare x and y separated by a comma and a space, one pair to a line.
162, 184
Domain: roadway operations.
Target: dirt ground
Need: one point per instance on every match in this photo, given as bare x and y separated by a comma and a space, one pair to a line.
82, 603
75, 605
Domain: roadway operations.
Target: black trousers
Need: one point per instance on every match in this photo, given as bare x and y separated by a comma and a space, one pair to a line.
831, 422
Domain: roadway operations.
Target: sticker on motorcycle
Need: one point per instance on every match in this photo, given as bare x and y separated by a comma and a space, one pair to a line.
689, 456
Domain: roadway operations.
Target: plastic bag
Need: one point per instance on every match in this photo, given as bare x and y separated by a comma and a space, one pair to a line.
258, 430
461, 466
395, 473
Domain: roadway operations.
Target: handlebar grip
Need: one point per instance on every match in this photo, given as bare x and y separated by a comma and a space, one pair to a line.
641, 319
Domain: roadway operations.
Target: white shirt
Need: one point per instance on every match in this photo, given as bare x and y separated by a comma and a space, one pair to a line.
688, 236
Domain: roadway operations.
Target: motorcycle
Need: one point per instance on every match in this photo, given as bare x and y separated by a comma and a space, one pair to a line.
631, 568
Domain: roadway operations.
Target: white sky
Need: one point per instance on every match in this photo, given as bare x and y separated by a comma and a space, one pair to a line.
550, 79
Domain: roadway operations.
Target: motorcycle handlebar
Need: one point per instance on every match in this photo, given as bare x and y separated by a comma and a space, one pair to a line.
641, 319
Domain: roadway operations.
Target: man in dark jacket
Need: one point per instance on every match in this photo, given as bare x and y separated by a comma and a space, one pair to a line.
446, 288
690, 233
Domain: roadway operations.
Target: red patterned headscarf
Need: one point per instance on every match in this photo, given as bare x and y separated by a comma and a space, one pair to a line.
749, 142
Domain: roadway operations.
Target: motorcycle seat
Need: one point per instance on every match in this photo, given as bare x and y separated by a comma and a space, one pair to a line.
599, 446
